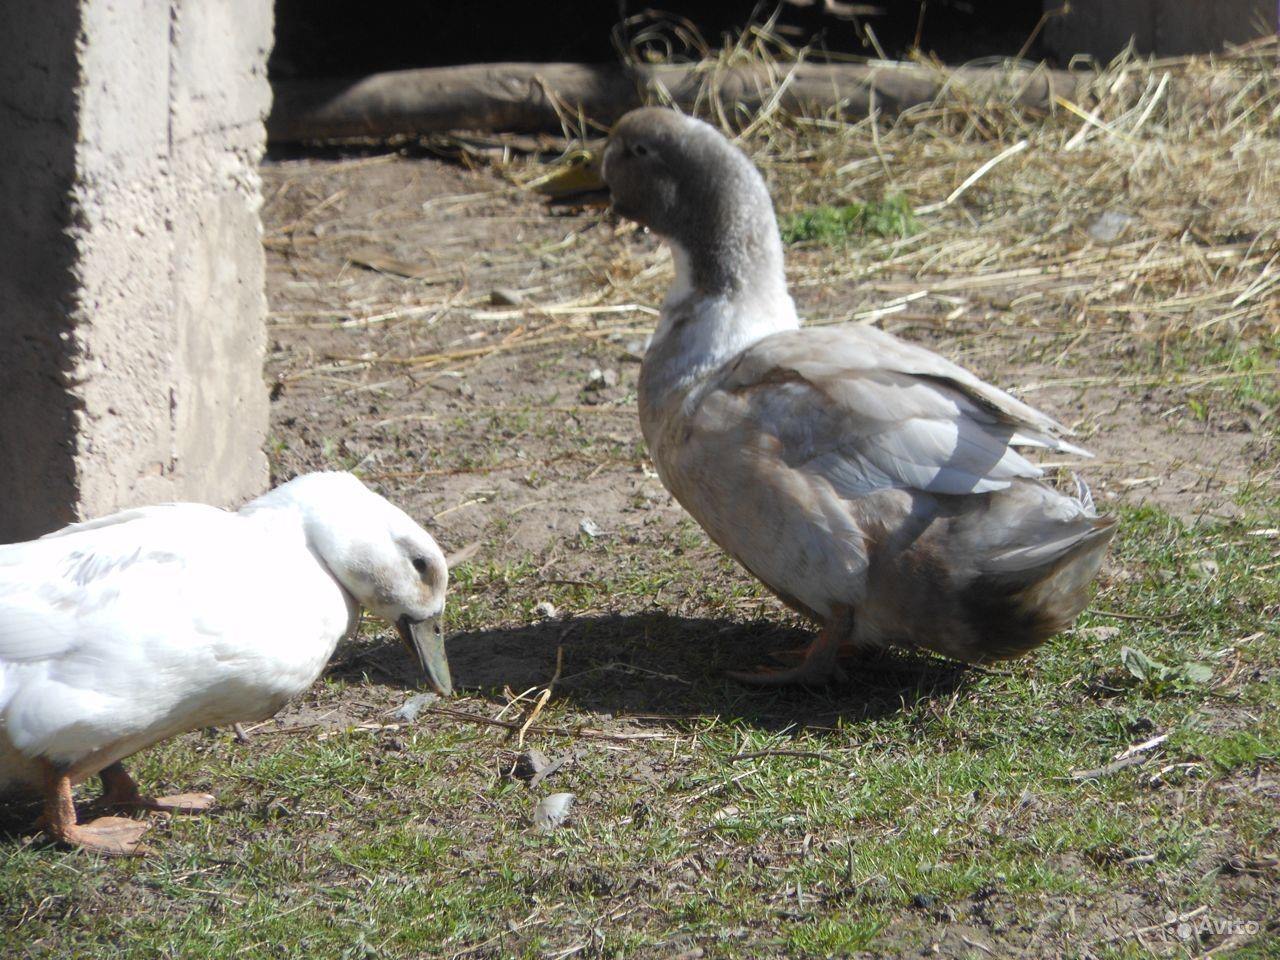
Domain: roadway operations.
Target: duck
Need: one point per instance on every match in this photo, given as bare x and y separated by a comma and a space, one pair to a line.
875, 487
120, 632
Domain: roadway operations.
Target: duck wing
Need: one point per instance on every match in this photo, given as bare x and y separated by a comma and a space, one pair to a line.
168, 513
868, 411
50, 587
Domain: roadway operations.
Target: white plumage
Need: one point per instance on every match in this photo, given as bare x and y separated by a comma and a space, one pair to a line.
120, 632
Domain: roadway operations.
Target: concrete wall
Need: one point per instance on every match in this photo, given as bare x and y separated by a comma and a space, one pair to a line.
131, 268
1103, 28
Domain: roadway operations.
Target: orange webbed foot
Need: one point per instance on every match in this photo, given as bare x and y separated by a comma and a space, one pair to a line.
119, 790
108, 836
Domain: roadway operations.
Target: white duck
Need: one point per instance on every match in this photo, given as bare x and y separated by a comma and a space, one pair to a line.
871, 484
120, 632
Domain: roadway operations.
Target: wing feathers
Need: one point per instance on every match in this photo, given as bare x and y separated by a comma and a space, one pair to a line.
48, 586
896, 414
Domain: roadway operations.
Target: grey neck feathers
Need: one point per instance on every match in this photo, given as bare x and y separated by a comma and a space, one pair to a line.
732, 265
729, 232
735, 251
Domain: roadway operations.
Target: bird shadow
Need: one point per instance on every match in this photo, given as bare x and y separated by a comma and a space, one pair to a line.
660, 667
652, 666
17, 814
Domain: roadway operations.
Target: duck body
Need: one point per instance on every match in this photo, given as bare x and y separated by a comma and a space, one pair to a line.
806, 457
120, 632
121, 635
873, 485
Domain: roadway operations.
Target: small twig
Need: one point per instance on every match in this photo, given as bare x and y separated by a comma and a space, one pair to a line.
716, 788
1140, 858
543, 697
632, 669
1159, 774
459, 506
1126, 616
1181, 918
1142, 747
584, 732
973, 178
1114, 767
981, 946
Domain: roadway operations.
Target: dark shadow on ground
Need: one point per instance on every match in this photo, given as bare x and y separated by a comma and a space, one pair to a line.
18, 816
658, 667
652, 667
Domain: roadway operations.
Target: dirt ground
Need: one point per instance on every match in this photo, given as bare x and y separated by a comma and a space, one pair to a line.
473, 353
471, 412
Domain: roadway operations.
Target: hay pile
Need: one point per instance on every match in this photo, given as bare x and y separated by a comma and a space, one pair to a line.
1145, 212
1149, 207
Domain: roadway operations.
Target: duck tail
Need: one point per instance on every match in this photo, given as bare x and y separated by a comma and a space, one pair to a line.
1012, 608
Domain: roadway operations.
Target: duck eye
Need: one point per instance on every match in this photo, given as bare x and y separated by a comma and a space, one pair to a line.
420, 564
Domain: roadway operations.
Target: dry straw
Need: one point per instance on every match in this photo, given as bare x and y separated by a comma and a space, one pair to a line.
1147, 208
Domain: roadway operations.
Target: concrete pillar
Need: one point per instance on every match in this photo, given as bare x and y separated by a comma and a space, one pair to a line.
131, 267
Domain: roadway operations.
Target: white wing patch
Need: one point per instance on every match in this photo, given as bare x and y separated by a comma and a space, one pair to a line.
48, 585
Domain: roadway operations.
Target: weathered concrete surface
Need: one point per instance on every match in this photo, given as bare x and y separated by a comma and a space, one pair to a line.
131, 290
1102, 28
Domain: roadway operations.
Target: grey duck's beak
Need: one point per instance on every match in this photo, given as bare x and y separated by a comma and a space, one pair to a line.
425, 640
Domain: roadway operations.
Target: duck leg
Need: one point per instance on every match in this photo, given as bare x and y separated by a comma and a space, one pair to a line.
119, 790
109, 836
818, 663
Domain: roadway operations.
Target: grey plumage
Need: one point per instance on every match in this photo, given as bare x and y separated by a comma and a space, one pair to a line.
873, 485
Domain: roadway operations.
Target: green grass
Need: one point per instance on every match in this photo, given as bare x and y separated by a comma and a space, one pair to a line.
933, 798
836, 226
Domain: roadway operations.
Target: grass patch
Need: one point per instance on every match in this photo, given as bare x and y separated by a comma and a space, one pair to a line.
837, 226
871, 819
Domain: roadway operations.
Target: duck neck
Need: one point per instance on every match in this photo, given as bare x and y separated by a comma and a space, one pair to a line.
291, 513
702, 328
730, 288
729, 246
718, 306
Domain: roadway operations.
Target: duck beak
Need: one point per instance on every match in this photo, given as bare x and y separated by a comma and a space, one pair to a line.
425, 640
580, 181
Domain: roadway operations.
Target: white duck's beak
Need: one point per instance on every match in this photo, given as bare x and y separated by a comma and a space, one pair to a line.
425, 640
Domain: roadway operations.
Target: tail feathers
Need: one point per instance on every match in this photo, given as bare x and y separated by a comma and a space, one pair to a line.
1084, 494
1011, 611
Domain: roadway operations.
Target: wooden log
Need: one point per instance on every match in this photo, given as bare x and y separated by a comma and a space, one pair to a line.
533, 97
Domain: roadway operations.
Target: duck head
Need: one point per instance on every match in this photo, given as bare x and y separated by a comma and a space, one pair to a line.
401, 576
681, 178
381, 557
